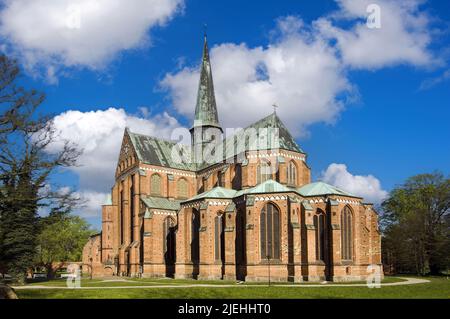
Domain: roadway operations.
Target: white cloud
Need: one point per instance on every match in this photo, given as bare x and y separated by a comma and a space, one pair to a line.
368, 187
403, 38
91, 203
304, 68
299, 72
431, 82
86, 33
99, 134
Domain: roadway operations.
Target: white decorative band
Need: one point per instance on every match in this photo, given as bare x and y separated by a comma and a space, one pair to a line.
267, 198
164, 213
165, 171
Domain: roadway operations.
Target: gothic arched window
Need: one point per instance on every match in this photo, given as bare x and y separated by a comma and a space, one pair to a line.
263, 172
270, 232
346, 234
155, 185
169, 240
237, 179
182, 188
292, 174
195, 225
319, 225
219, 240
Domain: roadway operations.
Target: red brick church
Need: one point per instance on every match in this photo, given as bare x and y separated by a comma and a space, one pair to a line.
250, 203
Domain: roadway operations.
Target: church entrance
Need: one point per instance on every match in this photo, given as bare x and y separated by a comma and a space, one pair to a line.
169, 246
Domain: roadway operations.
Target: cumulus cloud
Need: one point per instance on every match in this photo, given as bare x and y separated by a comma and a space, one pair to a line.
368, 187
91, 203
83, 33
403, 37
304, 68
299, 72
99, 134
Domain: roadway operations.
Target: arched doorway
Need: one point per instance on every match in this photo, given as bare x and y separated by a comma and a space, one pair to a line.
169, 246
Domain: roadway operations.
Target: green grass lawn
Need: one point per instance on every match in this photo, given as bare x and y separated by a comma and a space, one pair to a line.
437, 288
174, 282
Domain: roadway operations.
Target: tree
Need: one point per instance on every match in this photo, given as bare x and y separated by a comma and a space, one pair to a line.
61, 240
416, 225
26, 168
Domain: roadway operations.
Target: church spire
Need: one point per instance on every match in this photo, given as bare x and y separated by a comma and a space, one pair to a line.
206, 108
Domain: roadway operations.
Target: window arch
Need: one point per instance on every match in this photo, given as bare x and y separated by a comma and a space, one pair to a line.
155, 185
219, 240
347, 234
263, 172
237, 179
182, 188
292, 173
270, 232
319, 225
195, 225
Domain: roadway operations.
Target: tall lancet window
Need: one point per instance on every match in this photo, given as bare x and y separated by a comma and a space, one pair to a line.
319, 225
219, 237
292, 174
270, 232
346, 234
169, 240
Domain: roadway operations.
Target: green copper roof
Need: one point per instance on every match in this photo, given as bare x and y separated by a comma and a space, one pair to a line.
269, 186
246, 140
161, 203
273, 124
206, 108
216, 192
155, 151
320, 189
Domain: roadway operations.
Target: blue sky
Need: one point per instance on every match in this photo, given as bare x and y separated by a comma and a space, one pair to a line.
386, 120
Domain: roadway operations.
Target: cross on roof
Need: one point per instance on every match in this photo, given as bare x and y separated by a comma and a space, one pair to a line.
275, 106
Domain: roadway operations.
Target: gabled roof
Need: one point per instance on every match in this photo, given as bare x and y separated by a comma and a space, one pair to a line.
161, 203
320, 189
156, 151
216, 192
240, 141
286, 141
269, 186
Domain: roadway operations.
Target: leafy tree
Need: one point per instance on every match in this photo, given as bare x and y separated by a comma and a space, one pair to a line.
416, 225
61, 240
26, 168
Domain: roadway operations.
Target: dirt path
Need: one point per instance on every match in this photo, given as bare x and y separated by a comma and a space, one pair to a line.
407, 281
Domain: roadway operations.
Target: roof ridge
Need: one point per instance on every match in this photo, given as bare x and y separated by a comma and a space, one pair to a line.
154, 137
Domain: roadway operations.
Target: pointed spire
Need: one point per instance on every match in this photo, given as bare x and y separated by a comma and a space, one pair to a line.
206, 108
